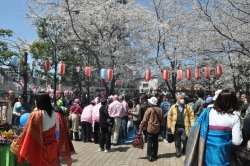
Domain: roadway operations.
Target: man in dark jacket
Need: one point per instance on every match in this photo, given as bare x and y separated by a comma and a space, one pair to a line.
105, 123
198, 105
144, 107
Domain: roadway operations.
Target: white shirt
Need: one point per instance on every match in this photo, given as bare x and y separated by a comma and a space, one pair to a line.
16, 105
7, 113
49, 122
227, 120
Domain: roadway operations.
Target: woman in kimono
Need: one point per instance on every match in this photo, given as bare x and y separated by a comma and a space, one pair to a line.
38, 143
214, 133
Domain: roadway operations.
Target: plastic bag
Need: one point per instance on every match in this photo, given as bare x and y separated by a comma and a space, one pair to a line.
138, 141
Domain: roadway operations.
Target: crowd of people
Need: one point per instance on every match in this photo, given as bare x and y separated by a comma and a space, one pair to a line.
209, 129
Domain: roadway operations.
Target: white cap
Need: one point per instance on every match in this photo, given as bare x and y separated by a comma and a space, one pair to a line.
216, 94
153, 100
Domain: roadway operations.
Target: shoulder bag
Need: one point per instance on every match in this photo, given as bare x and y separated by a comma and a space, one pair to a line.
161, 126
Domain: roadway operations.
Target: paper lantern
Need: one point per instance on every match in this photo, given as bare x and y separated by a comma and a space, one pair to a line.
189, 74
101, 84
67, 92
78, 69
179, 75
46, 65
165, 75
135, 85
109, 74
134, 72
197, 73
103, 73
192, 87
14, 60
119, 82
218, 70
88, 71
61, 68
147, 75
207, 72
58, 94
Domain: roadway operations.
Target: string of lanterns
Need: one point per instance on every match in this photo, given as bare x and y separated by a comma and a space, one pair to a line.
165, 73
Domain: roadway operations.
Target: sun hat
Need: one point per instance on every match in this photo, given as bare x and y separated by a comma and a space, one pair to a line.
216, 94
153, 100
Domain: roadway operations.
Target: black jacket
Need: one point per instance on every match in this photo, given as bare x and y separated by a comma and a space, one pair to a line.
104, 117
246, 131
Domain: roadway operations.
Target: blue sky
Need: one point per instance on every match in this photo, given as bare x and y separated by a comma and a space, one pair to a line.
11, 16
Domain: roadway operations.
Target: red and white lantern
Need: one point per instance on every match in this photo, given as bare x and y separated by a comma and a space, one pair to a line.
67, 92
46, 65
61, 68
101, 84
134, 72
219, 70
135, 85
207, 72
189, 74
78, 69
165, 75
88, 71
179, 75
198, 73
58, 94
119, 82
109, 74
147, 75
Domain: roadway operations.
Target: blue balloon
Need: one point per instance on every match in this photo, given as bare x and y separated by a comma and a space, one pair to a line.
24, 118
57, 134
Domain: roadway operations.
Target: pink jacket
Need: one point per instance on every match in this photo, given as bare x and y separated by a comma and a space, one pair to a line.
76, 109
87, 114
116, 109
125, 106
95, 112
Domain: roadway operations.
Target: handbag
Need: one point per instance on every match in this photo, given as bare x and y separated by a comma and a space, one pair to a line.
170, 137
161, 126
15, 145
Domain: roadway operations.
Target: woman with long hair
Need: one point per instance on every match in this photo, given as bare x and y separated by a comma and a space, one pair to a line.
136, 114
20, 109
214, 132
38, 143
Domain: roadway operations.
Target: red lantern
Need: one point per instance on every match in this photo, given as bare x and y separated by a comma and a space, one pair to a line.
207, 72
165, 75
46, 65
109, 74
101, 84
218, 70
192, 87
189, 74
147, 75
88, 71
61, 68
179, 75
58, 94
135, 85
197, 73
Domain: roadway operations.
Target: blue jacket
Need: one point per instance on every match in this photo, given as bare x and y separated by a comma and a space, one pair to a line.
165, 106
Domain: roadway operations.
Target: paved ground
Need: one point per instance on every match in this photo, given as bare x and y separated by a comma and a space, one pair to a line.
87, 155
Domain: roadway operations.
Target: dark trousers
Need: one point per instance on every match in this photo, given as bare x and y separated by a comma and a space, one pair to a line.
152, 148
136, 125
145, 133
105, 137
124, 127
165, 127
86, 131
96, 132
180, 136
